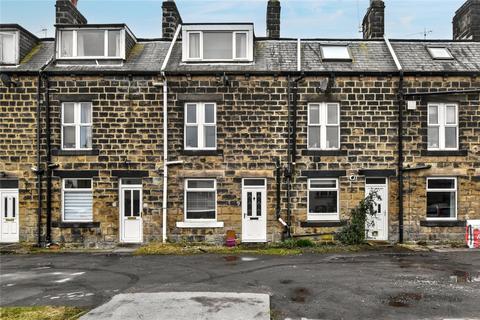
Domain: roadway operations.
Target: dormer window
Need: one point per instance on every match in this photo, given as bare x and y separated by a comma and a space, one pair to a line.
218, 43
8, 47
440, 53
336, 53
91, 44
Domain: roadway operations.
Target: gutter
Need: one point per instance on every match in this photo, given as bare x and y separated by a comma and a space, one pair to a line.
165, 137
401, 103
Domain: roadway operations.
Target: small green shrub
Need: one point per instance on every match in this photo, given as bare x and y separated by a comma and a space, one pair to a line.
300, 243
354, 232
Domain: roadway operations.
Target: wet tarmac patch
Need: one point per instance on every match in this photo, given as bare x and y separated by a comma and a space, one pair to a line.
286, 281
404, 299
300, 295
230, 258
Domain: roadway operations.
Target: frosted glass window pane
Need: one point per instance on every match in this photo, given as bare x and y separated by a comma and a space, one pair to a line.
191, 113
314, 137
114, 43
332, 137
85, 137
433, 138
69, 137
332, 114
90, 43
209, 113
191, 136
217, 45
314, 116
194, 45
68, 113
450, 137
86, 113
451, 115
433, 115
7, 48
209, 137
66, 46
241, 45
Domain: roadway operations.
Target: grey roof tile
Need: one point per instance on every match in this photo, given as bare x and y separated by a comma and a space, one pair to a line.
35, 59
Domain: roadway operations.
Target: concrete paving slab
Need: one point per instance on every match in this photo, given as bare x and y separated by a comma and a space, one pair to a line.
184, 305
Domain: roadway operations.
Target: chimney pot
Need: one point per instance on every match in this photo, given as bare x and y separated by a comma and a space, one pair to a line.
273, 19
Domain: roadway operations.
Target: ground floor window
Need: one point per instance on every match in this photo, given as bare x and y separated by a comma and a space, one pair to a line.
442, 198
200, 199
323, 199
77, 199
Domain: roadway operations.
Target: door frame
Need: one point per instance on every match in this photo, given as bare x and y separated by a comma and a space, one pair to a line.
264, 207
386, 204
121, 208
17, 211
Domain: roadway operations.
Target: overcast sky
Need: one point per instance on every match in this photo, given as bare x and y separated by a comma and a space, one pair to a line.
300, 18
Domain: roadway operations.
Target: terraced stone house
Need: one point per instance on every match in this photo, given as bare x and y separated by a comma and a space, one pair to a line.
109, 138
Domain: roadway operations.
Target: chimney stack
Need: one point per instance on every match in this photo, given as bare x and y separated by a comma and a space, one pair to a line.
66, 12
273, 19
170, 20
466, 22
374, 20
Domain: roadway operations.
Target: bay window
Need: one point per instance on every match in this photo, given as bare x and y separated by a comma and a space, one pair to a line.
441, 198
77, 200
323, 199
91, 43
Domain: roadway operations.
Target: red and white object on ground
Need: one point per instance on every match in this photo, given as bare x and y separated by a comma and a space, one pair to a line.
473, 234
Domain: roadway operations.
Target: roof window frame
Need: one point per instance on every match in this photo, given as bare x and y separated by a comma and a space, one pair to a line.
429, 49
74, 56
349, 59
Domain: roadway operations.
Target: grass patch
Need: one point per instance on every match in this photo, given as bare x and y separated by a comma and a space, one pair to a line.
41, 313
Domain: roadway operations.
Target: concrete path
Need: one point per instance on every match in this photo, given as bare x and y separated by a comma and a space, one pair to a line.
184, 305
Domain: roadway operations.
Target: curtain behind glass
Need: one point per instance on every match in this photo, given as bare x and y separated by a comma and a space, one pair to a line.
90, 43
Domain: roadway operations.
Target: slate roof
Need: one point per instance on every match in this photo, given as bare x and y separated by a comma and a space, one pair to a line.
35, 59
414, 56
146, 56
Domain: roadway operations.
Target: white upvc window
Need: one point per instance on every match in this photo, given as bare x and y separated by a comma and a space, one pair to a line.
77, 200
200, 129
76, 126
441, 198
323, 126
323, 199
200, 200
9, 47
217, 43
442, 126
91, 43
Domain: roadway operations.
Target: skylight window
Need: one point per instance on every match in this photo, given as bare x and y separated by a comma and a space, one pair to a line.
336, 53
440, 53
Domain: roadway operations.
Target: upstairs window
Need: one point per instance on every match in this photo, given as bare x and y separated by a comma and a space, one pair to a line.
336, 53
323, 126
200, 126
76, 125
215, 44
91, 43
440, 53
8, 47
442, 126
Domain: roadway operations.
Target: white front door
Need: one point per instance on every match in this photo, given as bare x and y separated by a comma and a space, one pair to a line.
379, 229
9, 226
254, 210
131, 223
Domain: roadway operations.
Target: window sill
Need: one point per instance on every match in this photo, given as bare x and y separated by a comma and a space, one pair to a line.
321, 223
84, 225
57, 152
318, 153
202, 152
203, 224
443, 223
444, 153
